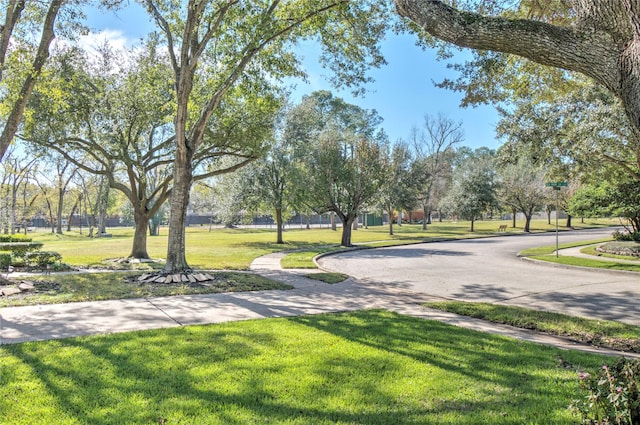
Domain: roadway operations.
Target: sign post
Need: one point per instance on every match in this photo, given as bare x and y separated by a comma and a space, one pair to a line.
556, 187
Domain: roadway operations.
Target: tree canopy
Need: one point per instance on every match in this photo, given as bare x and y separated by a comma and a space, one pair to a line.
599, 38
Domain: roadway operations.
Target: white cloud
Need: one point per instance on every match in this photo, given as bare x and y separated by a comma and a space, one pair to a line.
115, 38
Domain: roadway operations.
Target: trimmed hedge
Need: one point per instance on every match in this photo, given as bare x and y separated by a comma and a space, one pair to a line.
15, 238
19, 249
42, 258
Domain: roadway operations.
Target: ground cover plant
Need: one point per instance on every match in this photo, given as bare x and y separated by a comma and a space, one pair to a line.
63, 288
612, 394
601, 333
623, 248
364, 367
592, 250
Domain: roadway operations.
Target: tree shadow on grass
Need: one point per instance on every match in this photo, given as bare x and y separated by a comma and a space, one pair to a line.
365, 367
507, 375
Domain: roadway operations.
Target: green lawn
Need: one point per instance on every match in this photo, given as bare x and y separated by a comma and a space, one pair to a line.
234, 249
369, 367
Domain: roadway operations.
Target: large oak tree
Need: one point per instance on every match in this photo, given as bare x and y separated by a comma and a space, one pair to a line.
598, 38
223, 42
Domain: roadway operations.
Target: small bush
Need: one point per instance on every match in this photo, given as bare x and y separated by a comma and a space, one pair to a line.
5, 260
42, 258
612, 395
626, 236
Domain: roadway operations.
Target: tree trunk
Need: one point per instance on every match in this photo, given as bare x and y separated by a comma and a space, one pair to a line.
183, 178
568, 221
527, 223
346, 230
472, 222
390, 222
139, 248
59, 212
279, 225
513, 218
425, 213
12, 215
17, 110
332, 217
73, 211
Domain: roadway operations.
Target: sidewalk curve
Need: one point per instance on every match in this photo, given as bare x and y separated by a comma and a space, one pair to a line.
43, 322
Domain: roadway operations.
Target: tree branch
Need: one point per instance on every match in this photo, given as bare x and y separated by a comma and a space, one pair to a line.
592, 53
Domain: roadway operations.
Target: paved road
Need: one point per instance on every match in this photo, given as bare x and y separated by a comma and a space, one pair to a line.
489, 270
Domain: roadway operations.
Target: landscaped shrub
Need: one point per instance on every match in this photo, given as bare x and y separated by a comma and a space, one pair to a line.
626, 236
42, 258
19, 249
5, 260
612, 394
14, 238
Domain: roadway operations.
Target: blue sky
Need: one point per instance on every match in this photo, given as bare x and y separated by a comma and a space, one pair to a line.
403, 91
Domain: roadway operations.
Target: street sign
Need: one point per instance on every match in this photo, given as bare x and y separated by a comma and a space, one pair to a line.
557, 184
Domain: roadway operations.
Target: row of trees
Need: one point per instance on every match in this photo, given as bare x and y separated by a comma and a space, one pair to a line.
49, 188
322, 155
332, 156
214, 64
209, 102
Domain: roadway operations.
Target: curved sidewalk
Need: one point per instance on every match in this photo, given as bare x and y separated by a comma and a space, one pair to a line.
43, 322
577, 252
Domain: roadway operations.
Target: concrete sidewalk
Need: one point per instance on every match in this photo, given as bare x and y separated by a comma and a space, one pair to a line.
43, 322
576, 252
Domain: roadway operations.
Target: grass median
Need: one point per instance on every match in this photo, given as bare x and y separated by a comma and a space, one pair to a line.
600, 333
547, 253
365, 367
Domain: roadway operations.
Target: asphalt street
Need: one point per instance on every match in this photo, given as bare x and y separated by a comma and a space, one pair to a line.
490, 270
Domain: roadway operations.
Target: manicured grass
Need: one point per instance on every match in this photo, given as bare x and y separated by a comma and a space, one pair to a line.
63, 288
330, 278
304, 259
601, 333
369, 367
587, 262
234, 249
550, 249
546, 253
